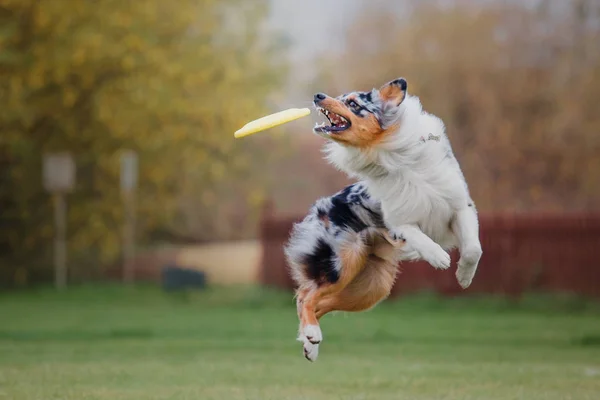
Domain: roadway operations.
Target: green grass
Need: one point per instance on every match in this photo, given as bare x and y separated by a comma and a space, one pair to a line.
139, 343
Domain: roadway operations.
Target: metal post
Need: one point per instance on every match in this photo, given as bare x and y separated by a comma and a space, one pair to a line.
60, 245
129, 237
59, 179
129, 177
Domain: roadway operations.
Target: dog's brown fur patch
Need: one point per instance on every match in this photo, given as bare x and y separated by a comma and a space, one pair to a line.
363, 131
392, 92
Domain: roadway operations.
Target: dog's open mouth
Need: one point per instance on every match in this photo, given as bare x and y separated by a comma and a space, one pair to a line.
337, 123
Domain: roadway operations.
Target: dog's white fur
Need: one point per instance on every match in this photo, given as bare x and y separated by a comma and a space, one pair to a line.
423, 192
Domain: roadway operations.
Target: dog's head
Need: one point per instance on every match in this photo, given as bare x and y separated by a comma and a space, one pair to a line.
361, 119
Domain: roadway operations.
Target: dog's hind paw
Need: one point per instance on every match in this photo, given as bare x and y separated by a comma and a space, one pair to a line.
311, 351
313, 334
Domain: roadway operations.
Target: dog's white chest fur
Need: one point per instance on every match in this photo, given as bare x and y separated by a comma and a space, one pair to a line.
407, 198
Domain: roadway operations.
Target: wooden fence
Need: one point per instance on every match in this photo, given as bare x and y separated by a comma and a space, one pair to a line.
521, 252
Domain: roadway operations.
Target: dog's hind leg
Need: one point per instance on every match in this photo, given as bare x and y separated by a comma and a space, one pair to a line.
306, 315
352, 256
370, 287
466, 228
368, 272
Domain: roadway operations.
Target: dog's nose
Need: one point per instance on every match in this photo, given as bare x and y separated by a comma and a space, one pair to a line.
320, 97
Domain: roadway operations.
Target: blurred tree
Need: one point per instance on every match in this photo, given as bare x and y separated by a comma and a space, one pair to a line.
94, 77
517, 86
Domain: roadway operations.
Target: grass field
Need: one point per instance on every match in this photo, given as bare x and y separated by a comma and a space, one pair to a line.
138, 343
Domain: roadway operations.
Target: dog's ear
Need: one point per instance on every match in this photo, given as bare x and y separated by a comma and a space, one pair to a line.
394, 92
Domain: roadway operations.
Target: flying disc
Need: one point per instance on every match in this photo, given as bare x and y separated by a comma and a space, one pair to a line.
270, 121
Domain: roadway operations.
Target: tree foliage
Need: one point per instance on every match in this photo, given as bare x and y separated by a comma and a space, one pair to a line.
170, 81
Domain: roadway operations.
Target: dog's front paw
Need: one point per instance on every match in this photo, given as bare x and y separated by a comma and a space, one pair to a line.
464, 277
467, 266
397, 236
437, 257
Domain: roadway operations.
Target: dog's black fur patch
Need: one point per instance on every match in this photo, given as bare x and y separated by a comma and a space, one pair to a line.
320, 264
341, 213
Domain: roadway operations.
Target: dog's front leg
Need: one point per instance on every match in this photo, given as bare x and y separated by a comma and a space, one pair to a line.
420, 246
466, 228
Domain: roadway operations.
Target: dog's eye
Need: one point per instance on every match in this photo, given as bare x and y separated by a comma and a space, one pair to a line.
354, 105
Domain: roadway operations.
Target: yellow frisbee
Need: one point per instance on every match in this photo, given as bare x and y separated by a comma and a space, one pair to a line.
270, 121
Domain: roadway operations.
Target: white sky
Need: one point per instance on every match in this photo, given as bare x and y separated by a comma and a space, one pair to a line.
313, 26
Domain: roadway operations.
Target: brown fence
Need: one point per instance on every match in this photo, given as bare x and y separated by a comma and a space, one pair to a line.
521, 252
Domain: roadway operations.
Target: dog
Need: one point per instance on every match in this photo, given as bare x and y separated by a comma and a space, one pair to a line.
408, 176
